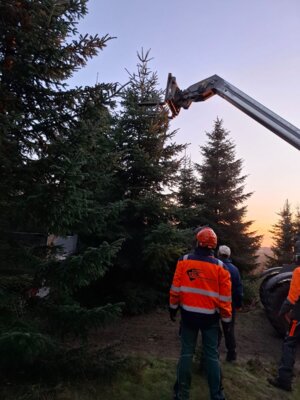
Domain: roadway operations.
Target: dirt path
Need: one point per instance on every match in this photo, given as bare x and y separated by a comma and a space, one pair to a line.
155, 335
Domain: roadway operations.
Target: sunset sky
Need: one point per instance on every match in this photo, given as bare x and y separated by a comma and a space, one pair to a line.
255, 45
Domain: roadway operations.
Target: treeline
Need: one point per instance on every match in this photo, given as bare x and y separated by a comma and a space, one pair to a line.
91, 161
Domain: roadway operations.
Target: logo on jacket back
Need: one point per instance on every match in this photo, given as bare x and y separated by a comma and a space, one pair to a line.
193, 273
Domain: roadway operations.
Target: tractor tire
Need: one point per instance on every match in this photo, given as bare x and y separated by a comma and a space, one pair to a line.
263, 293
273, 304
264, 285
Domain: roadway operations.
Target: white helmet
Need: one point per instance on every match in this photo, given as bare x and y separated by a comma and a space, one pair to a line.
224, 251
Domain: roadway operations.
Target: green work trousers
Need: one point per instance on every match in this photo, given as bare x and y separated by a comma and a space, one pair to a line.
211, 361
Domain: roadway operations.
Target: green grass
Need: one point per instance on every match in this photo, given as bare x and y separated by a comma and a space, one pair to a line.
152, 379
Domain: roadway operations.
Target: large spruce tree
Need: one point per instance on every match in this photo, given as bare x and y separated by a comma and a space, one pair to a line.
41, 118
221, 193
56, 164
148, 164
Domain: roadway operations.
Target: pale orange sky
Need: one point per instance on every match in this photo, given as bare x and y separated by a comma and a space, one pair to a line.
262, 227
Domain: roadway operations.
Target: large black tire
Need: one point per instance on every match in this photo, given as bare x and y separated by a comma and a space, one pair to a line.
264, 285
275, 299
263, 293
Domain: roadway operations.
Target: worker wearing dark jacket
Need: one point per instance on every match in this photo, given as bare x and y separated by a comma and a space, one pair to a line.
224, 253
201, 288
291, 310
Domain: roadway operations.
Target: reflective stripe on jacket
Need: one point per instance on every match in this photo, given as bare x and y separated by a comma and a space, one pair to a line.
201, 285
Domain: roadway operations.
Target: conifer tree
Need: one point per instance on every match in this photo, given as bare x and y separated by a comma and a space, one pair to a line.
222, 197
40, 117
56, 164
188, 208
296, 244
296, 221
148, 164
283, 233
187, 184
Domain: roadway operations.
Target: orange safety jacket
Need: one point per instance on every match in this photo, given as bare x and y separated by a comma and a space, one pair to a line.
294, 292
201, 285
292, 302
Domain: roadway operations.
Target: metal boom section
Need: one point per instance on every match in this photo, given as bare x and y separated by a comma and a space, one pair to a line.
201, 91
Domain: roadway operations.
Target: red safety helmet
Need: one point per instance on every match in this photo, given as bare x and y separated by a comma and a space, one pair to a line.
206, 237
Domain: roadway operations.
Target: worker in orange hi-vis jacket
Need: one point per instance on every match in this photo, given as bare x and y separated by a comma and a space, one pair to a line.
291, 310
201, 289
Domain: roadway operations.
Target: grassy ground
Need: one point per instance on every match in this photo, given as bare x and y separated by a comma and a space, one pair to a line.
152, 379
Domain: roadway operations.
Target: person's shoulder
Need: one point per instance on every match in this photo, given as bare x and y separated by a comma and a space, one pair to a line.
184, 257
234, 271
297, 271
220, 263
231, 265
235, 267
216, 261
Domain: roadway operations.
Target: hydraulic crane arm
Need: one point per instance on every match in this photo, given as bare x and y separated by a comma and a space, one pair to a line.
177, 99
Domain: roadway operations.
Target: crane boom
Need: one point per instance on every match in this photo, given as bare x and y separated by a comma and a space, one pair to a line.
201, 91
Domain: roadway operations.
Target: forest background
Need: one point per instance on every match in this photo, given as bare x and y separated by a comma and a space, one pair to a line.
92, 163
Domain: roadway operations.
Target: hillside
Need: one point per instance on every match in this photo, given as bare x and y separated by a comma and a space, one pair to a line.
155, 336
151, 345
262, 253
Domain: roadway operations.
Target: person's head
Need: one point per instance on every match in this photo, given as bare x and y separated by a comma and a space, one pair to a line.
206, 238
224, 251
